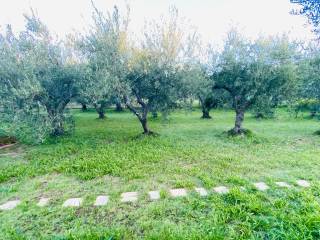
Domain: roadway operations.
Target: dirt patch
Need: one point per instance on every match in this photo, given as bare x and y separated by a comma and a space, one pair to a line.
6, 141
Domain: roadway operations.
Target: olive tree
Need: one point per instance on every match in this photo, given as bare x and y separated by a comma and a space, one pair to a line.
252, 70
19, 115
57, 73
200, 85
308, 97
45, 74
102, 48
154, 79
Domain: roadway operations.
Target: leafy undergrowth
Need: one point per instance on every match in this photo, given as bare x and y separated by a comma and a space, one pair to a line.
108, 157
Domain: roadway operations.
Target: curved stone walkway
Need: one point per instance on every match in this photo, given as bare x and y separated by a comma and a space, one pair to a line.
153, 195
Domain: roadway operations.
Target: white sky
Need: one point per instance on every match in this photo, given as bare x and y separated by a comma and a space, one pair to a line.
212, 17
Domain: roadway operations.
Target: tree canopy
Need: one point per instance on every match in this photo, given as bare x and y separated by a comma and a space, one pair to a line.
310, 9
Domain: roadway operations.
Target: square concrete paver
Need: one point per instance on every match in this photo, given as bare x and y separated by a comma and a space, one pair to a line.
261, 186
221, 190
283, 184
154, 195
9, 205
72, 202
303, 183
242, 189
43, 202
129, 197
101, 201
201, 191
178, 192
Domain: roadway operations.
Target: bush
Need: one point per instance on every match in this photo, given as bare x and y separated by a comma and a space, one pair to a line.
307, 105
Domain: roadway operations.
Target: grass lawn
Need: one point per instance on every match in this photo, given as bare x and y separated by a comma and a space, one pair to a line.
107, 157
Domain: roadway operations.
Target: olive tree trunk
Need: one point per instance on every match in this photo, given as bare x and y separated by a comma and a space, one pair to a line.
205, 109
141, 115
238, 122
145, 127
100, 110
56, 118
206, 113
119, 107
84, 107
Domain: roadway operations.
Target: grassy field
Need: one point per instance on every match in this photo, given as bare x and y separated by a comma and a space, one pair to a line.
107, 157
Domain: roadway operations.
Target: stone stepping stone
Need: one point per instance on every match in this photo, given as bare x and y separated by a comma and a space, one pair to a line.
101, 201
72, 202
221, 190
129, 197
178, 192
154, 195
43, 202
243, 189
283, 184
261, 186
10, 205
303, 183
201, 191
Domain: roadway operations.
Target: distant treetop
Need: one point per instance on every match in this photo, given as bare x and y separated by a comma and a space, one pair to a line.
310, 9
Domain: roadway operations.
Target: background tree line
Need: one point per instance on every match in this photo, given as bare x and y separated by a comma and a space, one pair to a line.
167, 67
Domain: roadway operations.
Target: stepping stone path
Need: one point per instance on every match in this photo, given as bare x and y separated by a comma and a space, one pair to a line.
129, 197
43, 202
154, 195
73, 202
101, 201
202, 192
283, 184
178, 192
261, 186
303, 183
221, 190
9, 205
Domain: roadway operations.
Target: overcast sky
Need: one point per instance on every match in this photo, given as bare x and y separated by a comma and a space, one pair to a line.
212, 17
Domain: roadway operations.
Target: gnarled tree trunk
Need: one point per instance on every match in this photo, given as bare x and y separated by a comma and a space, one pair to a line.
84, 107
56, 118
238, 122
100, 108
119, 107
145, 127
205, 109
206, 113
142, 116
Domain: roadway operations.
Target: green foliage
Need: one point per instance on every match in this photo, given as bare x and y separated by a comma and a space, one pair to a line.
263, 109
154, 81
307, 105
104, 48
309, 9
309, 69
39, 78
27, 127
254, 72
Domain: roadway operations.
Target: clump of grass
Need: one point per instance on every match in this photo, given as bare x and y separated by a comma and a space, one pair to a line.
317, 133
243, 133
